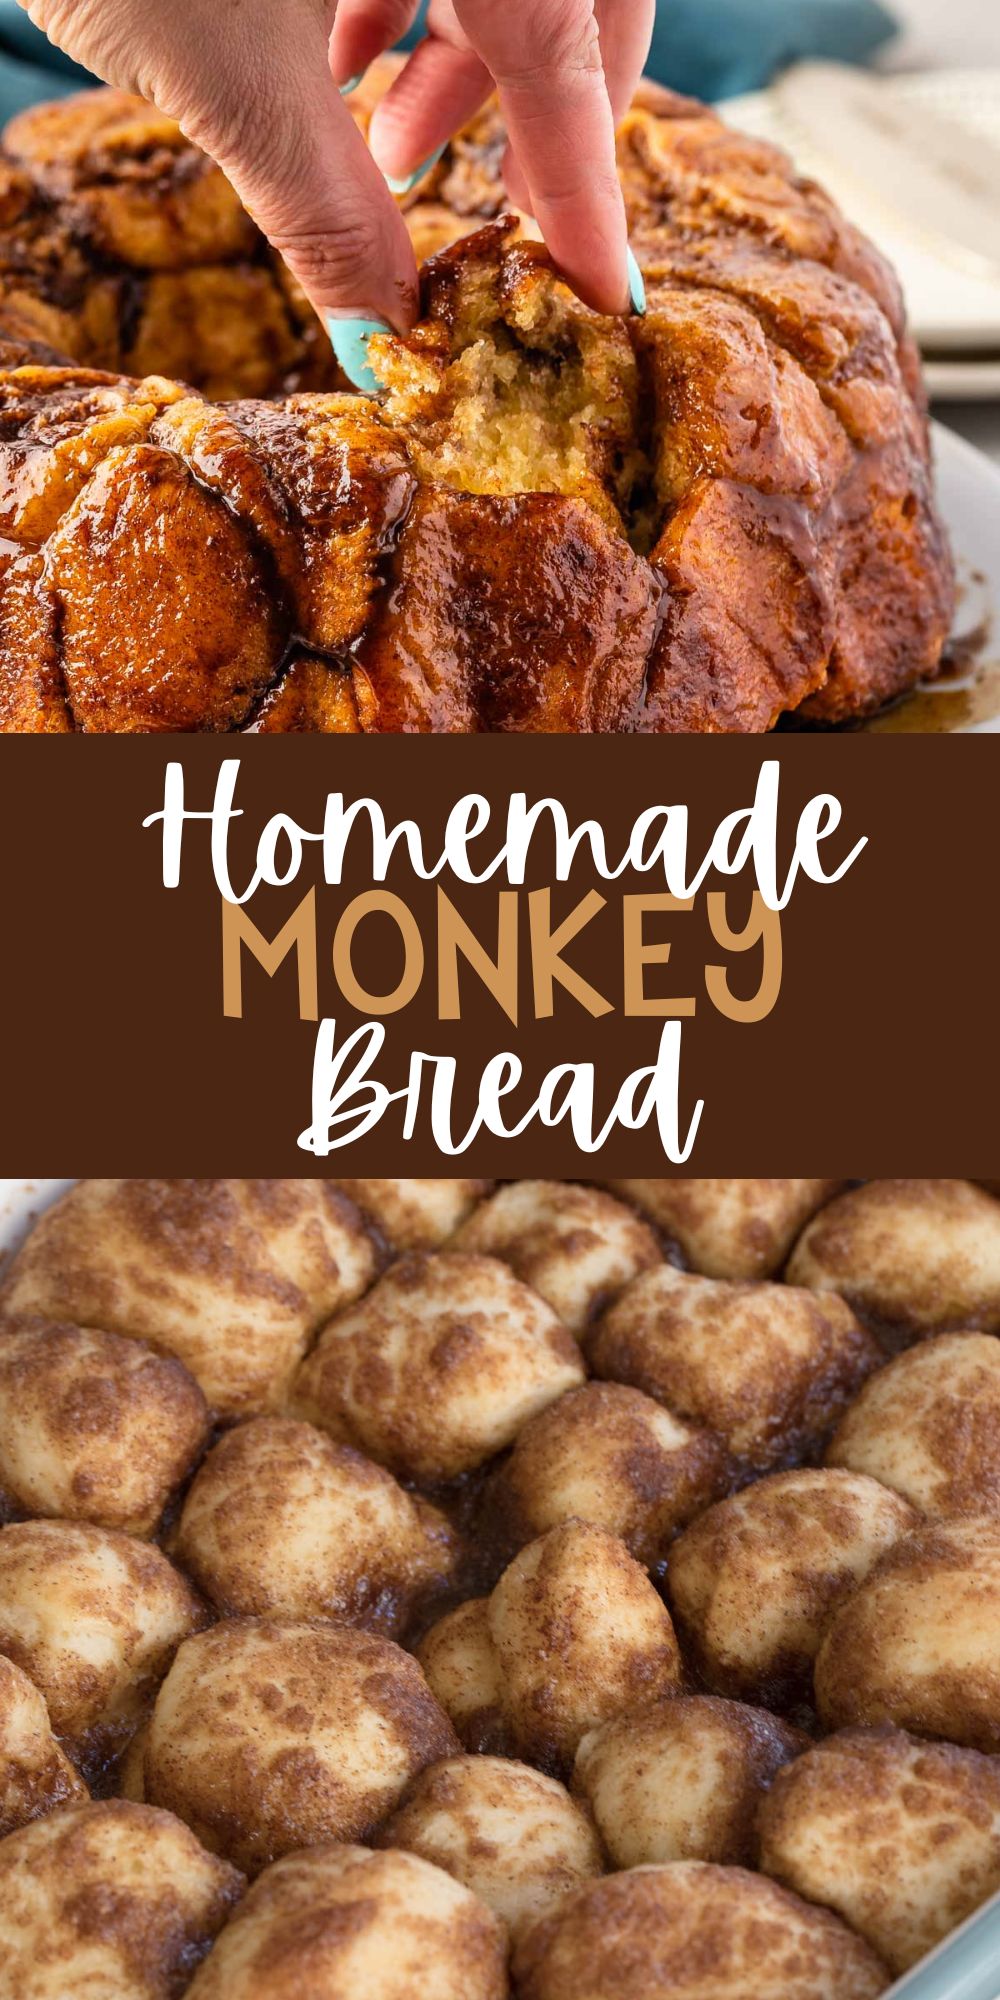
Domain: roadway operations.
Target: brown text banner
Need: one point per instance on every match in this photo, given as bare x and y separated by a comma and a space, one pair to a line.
507, 956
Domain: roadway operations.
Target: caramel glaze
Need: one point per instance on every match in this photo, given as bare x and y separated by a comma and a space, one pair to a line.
280, 562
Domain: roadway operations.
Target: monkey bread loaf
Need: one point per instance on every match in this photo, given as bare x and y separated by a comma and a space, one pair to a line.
453, 1589
545, 519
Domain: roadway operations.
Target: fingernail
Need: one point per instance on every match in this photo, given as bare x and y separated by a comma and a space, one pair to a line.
349, 339
636, 286
352, 83
403, 186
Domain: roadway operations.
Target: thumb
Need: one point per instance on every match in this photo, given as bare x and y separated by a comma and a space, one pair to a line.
281, 132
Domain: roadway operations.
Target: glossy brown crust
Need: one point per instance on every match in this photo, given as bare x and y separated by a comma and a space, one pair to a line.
734, 520
231, 1276
834, 1817
688, 1929
36, 1776
768, 1367
339, 1922
918, 1643
682, 1780
93, 1427
756, 1579
110, 1898
270, 1735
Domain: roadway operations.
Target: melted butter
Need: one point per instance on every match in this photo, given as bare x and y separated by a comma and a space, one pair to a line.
940, 707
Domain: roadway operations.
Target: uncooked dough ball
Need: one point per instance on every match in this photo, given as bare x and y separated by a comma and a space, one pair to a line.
692, 1931
929, 1425
439, 1367
511, 1834
577, 1634
283, 1522
94, 1619
682, 1781
838, 1814
574, 1245
413, 1214
753, 1582
232, 1276
914, 1256
734, 1228
110, 1900
340, 1923
609, 1454
268, 1735
35, 1774
94, 1427
767, 1367
919, 1642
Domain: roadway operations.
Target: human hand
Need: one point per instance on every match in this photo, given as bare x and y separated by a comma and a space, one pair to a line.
258, 85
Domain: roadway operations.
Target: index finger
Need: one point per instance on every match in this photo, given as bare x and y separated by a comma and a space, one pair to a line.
546, 59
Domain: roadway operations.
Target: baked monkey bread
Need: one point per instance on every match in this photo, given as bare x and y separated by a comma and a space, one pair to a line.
546, 520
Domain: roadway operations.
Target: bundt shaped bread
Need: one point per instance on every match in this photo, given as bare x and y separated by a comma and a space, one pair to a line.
548, 520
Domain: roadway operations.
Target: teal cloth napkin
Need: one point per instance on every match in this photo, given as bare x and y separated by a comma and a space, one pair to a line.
710, 48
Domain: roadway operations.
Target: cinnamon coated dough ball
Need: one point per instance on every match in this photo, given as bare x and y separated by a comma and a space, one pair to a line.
281, 1521
753, 1582
682, 1781
871, 1797
267, 1736
767, 1367
928, 1425
94, 1427
574, 1245
607, 1453
94, 1619
692, 1931
460, 1661
232, 1276
111, 1900
415, 1214
439, 1367
918, 1643
511, 1834
35, 1774
734, 1228
915, 1256
339, 1923
573, 1633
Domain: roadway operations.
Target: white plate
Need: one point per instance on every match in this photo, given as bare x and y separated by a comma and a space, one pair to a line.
962, 381
968, 486
950, 306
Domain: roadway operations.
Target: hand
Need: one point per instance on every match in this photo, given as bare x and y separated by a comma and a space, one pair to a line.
255, 83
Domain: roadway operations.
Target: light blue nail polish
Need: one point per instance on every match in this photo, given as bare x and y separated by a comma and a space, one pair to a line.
636, 286
349, 339
352, 83
403, 186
